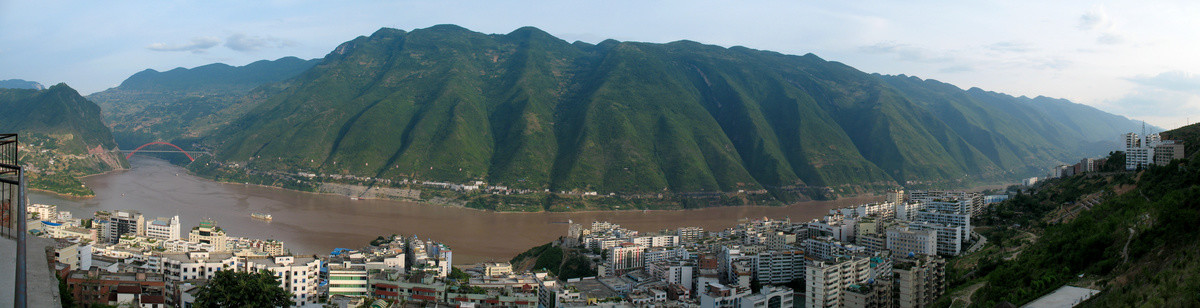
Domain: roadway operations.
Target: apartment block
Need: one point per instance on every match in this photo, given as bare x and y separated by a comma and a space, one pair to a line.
779, 266
904, 241
209, 233
827, 280
124, 223
98, 287
919, 280
349, 279
626, 257
296, 274
163, 228
949, 238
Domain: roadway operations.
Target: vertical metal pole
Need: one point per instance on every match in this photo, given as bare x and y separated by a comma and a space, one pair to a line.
20, 296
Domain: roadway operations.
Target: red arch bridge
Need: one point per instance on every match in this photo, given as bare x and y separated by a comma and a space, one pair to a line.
177, 150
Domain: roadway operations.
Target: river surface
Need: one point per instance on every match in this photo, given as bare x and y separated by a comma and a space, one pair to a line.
315, 224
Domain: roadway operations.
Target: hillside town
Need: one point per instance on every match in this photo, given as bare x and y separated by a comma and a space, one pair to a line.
885, 254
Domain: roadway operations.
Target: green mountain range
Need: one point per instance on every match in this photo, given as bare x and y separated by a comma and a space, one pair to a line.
181, 103
528, 110
61, 137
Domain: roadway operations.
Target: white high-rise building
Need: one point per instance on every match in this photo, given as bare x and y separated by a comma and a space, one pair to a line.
960, 220
349, 279
907, 211
45, 212
949, 238
179, 267
626, 257
690, 234
967, 202
825, 247
827, 280
1140, 153
903, 241
657, 241
777, 267
163, 228
672, 272
296, 274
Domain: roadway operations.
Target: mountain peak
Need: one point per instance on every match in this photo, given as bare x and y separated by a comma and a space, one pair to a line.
385, 31
446, 28
530, 32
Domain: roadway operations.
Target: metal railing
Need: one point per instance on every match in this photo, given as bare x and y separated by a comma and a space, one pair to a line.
12, 209
10, 184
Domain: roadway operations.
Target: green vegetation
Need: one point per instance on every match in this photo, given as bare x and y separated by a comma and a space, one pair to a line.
243, 289
458, 274
61, 135
527, 110
565, 264
1131, 235
183, 103
66, 298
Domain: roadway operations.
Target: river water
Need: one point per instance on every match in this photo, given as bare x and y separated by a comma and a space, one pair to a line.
315, 224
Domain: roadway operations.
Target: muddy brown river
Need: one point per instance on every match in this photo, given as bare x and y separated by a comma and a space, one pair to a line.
315, 224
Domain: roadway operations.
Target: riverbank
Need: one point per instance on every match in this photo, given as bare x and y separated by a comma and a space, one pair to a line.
317, 223
62, 195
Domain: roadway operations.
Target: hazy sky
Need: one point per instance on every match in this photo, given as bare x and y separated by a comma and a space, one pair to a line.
1138, 58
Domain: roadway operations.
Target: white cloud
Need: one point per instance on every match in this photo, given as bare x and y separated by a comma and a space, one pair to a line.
196, 45
904, 52
1168, 99
1178, 81
1010, 46
245, 43
1098, 20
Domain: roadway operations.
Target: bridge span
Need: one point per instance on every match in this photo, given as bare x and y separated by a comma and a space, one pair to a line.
177, 150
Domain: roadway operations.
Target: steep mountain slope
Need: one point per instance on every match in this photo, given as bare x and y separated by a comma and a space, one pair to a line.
62, 136
528, 110
184, 103
20, 84
1010, 130
1128, 234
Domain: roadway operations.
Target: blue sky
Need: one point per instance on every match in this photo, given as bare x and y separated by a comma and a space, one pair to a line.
1138, 59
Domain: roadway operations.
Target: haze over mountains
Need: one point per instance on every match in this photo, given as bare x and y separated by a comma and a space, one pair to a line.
153, 105
20, 84
528, 110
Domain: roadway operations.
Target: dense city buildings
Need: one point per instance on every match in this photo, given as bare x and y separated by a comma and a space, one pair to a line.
868, 255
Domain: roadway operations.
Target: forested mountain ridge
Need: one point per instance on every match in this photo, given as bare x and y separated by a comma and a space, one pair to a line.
185, 103
528, 110
61, 135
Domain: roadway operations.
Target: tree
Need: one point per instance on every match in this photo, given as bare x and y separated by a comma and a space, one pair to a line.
67, 298
243, 289
458, 274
